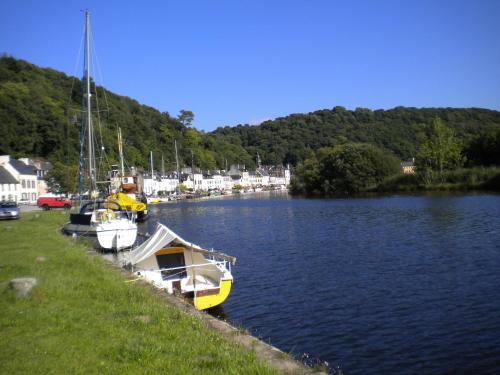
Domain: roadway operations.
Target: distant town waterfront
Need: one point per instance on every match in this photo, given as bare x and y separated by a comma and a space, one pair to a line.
401, 284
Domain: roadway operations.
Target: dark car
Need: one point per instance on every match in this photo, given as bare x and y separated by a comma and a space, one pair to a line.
9, 210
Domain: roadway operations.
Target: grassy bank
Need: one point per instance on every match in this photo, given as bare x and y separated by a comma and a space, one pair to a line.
83, 317
478, 178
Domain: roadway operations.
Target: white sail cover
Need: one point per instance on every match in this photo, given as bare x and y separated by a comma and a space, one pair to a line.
161, 238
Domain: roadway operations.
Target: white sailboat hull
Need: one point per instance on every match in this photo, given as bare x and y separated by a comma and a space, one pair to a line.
112, 234
116, 236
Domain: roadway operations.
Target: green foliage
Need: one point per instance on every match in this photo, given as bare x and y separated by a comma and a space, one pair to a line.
294, 138
344, 169
484, 148
63, 178
186, 117
40, 116
476, 178
37, 107
438, 151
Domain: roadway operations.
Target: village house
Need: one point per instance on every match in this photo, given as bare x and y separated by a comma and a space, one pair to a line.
408, 166
23, 184
9, 186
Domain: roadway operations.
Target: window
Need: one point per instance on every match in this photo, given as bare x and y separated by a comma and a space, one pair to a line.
23, 183
33, 197
32, 184
25, 196
175, 260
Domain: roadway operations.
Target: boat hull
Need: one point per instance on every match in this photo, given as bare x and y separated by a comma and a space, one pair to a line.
102, 237
212, 297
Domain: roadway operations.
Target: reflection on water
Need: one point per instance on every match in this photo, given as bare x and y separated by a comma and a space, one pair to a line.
375, 285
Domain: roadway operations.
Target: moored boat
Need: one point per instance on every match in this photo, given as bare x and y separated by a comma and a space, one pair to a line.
105, 224
178, 266
102, 221
138, 209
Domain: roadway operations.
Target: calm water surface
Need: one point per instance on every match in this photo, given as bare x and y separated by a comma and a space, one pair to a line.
407, 285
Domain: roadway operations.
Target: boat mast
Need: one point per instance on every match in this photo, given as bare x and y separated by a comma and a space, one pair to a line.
177, 164
162, 166
120, 154
90, 134
86, 95
152, 171
192, 169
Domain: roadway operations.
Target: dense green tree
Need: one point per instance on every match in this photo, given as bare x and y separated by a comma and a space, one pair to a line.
344, 169
186, 117
439, 150
62, 178
484, 149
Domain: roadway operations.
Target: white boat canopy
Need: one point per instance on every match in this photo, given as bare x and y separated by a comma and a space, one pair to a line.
162, 238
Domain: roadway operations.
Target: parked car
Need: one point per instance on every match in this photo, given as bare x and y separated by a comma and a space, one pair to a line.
53, 202
23, 202
9, 210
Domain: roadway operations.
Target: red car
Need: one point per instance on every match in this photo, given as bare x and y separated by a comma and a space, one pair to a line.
53, 202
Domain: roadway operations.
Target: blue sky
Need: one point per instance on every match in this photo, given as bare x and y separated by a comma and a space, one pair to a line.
233, 62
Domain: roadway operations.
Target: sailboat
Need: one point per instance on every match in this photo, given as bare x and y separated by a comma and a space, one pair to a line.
124, 188
180, 267
104, 222
152, 197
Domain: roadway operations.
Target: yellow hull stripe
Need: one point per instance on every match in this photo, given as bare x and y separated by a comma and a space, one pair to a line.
205, 302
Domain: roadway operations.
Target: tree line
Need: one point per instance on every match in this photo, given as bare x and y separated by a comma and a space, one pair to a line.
40, 114
439, 159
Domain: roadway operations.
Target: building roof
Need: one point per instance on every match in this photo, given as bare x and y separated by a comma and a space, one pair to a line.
23, 168
6, 177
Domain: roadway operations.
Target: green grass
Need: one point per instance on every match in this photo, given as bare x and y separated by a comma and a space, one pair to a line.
477, 178
83, 318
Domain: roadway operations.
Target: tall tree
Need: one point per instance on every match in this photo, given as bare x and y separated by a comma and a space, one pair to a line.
186, 117
438, 151
344, 169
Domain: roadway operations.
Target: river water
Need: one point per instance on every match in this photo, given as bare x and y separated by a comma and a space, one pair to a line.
384, 285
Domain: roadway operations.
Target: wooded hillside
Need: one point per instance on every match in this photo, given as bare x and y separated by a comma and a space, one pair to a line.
40, 117
40, 112
294, 138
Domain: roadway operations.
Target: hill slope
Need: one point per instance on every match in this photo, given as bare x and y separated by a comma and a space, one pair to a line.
293, 138
40, 114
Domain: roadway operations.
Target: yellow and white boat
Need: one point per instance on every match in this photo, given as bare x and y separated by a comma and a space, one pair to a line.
171, 263
130, 204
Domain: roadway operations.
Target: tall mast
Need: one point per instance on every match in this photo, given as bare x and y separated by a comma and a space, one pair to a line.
152, 179
89, 113
120, 154
192, 168
162, 166
177, 161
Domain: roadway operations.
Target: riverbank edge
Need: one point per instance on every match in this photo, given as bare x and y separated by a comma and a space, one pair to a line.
265, 352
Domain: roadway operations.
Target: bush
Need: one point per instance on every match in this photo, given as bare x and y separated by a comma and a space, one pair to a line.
344, 169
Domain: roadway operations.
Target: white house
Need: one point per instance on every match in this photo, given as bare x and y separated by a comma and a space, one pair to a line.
168, 184
10, 189
151, 186
25, 176
41, 168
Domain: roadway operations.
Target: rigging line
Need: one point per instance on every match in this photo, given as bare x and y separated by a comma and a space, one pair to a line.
68, 104
76, 66
103, 160
97, 102
101, 77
